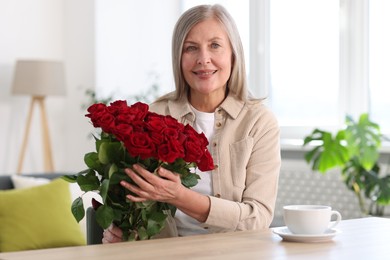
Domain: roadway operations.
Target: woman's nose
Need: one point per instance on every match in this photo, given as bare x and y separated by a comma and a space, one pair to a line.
204, 57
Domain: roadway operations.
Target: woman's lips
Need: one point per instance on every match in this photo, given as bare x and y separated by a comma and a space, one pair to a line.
204, 73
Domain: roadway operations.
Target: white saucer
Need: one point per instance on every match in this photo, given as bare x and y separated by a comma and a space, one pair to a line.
286, 234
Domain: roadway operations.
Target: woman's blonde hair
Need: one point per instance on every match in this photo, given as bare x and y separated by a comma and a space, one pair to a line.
237, 81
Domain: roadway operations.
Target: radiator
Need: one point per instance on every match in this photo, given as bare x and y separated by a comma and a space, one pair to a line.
298, 184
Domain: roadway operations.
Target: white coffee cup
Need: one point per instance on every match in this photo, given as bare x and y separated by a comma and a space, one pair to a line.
309, 219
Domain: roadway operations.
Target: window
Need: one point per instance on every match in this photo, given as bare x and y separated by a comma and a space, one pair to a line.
304, 61
315, 60
379, 62
327, 59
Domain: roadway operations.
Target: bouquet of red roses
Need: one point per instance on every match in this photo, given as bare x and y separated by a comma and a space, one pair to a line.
133, 134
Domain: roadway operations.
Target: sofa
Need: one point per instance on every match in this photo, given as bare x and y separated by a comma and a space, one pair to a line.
6, 182
93, 232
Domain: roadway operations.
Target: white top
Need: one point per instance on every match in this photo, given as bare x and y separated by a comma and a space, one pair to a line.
186, 225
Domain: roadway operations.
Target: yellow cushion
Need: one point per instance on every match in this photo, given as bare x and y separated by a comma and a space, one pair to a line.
38, 217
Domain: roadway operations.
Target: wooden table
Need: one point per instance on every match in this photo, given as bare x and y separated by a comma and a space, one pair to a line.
366, 238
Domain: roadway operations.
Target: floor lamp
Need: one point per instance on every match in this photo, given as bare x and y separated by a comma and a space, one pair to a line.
38, 79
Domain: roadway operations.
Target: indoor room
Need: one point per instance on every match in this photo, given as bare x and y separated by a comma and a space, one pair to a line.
319, 70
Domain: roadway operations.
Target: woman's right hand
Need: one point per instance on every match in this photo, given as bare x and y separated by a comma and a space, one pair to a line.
112, 234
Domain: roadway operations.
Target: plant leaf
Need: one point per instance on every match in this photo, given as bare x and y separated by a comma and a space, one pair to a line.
364, 139
155, 223
70, 178
88, 182
328, 153
92, 161
384, 191
190, 180
78, 209
119, 176
110, 152
142, 234
104, 189
104, 216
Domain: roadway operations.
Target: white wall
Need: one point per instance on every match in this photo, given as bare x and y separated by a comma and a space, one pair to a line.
28, 29
46, 29
66, 30
133, 46
79, 52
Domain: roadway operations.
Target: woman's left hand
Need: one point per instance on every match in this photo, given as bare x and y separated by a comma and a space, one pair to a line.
163, 188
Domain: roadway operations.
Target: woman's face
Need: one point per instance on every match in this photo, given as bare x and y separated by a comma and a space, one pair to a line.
207, 58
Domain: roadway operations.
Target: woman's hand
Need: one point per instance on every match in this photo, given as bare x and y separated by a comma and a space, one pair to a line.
164, 188
112, 234
167, 188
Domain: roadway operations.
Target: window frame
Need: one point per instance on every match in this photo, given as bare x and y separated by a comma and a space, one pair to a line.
353, 70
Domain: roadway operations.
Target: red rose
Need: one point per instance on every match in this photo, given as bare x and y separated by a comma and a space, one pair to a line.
138, 125
107, 123
173, 123
147, 134
194, 136
140, 144
193, 152
117, 107
170, 133
170, 151
156, 137
96, 108
139, 110
155, 122
125, 118
96, 112
206, 162
123, 132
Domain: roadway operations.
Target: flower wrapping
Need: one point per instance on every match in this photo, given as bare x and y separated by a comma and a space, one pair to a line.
130, 135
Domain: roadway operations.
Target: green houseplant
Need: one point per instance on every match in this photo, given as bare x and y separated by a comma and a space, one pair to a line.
355, 150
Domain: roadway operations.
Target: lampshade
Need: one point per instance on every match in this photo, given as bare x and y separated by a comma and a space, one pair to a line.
39, 78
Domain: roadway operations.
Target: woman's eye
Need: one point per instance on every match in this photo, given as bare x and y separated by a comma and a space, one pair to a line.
190, 48
215, 45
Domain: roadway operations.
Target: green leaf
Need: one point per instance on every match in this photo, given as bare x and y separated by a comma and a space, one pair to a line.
142, 234
328, 153
113, 169
355, 149
104, 216
132, 236
311, 155
190, 180
110, 152
88, 182
78, 209
92, 161
369, 157
118, 215
364, 139
70, 178
104, 189
145, 204
384, 191
155, 223
119, 176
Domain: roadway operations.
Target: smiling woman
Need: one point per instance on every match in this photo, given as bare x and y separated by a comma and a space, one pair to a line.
206, 64
211, 95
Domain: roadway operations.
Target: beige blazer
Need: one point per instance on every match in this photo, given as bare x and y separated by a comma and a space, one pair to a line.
246, 152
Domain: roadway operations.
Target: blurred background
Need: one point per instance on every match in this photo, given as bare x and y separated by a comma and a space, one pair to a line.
315, 61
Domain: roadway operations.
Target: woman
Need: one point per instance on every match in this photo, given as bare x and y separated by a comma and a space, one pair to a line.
211, 95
